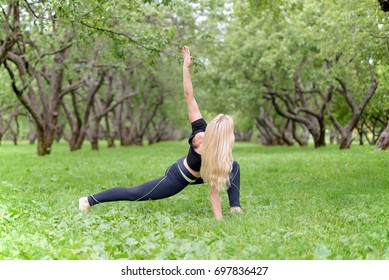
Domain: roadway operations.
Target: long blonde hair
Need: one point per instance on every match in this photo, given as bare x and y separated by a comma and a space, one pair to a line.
216, 152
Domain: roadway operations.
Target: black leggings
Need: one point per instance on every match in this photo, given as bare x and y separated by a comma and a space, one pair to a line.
176, 178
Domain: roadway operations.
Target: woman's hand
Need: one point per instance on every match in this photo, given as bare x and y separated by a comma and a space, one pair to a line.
187, 57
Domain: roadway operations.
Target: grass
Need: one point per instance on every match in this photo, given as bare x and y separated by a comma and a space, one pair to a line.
299, 203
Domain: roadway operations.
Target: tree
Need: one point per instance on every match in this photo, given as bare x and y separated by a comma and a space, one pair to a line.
79, 119
278, 36
383, 141
41, 91
273, 129
11, 18
303, 107
37, 73
346, 131
270, 64
43, 72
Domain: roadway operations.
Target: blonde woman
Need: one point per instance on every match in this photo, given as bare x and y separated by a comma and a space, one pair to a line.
209, 160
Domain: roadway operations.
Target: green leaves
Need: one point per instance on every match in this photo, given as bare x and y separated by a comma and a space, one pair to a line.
274, 42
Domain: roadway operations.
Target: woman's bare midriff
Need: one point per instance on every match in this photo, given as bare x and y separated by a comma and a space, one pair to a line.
194, 173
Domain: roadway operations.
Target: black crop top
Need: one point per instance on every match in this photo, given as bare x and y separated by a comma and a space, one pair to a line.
193, 158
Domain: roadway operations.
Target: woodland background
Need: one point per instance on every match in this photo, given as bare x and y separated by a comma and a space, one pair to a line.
290, 72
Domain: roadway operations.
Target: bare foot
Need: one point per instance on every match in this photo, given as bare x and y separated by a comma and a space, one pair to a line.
83, 204
235, 210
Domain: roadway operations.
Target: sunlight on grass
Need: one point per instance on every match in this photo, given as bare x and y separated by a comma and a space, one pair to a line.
299, 203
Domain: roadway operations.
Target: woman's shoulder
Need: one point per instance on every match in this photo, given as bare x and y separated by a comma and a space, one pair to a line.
197, 141
199, 124
197, 135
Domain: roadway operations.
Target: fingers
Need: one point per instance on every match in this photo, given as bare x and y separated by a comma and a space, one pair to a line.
187, 57
185, 50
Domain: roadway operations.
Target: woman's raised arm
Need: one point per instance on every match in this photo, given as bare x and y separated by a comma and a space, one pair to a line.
193, 109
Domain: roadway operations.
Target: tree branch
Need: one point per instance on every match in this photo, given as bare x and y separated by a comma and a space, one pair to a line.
349, 99
379, 36
309, 112
71, 87
370, 91
30, 9
287, 114
332, 118
124, 35
22, 99
110, 108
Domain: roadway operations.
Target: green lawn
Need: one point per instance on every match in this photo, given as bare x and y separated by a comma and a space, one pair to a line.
299, 203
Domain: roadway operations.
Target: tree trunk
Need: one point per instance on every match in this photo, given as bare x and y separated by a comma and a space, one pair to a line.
94, 134
43, 103
138, 113
374, 125
11, 28
79, 122
44, 144
297, 107
273, 129
109, 136
162, 130
334, 136
1, 127
346, 131
32, 130
345, 140
243, 136
383, 140
38, 85
302, 140
11, 118
311, 121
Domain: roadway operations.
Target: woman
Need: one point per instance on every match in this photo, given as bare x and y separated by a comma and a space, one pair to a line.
209, 160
